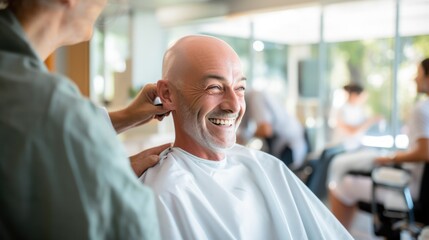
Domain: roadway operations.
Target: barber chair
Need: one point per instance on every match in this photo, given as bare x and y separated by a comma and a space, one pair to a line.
286, 156
390, 223
314, 171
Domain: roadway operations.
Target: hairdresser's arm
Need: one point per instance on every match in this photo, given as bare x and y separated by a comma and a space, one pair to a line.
141, 110
420, 153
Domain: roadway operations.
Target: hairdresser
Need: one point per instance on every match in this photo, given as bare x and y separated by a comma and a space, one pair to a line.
63, 172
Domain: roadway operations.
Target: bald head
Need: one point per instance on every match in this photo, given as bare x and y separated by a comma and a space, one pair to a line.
194, 52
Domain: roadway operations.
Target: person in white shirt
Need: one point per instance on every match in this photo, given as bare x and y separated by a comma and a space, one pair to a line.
208, 187
351, 119
266, 118
346, 190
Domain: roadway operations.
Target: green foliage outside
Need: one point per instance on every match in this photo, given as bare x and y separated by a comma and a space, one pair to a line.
370, 63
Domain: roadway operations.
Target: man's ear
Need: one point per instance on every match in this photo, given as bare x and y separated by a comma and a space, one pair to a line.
165, 94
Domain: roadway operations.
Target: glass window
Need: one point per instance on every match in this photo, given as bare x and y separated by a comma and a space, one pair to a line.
110, 56
414, 47
359, 40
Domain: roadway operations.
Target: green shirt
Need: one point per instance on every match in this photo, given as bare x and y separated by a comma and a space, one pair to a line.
63, 172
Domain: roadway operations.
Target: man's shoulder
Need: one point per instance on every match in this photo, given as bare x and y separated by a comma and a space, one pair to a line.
259, 161
166, 175
173, 171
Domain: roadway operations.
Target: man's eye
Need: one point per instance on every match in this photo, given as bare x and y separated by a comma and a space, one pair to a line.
241, 89
214, 89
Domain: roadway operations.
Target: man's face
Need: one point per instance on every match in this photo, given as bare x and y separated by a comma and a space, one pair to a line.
210, 101
422, 81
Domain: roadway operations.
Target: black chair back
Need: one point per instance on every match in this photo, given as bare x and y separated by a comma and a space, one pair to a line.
317, 180
422, 205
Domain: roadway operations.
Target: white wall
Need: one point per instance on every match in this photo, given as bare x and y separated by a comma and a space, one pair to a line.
148, 45
239, 6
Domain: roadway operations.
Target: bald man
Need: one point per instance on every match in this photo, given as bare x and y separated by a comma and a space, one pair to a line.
206, 186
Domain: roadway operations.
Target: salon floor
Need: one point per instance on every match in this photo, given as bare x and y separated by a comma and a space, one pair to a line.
362, 226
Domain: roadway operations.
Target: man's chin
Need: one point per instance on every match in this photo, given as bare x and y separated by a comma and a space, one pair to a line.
220, 144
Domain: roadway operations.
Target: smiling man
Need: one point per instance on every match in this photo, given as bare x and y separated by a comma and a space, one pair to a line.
207, 187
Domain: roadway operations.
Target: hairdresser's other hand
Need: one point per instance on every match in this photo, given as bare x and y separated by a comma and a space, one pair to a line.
141, 110
147, 158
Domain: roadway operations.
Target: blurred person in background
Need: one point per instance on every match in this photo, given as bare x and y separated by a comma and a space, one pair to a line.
281, 132
346, 190
63, 172
351, 120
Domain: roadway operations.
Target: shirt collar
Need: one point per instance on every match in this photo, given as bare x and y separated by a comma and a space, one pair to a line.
14, 39
198, 160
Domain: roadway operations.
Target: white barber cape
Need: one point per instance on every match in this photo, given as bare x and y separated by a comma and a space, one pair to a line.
248, 195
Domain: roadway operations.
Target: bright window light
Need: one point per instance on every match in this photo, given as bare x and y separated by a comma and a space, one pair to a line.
385, 141
258, 46
310, 122
98, 84
402, 141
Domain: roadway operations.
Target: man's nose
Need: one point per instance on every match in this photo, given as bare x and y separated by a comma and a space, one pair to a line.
231, 101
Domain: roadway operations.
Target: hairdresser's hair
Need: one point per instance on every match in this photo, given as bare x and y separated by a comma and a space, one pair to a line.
353, 88
425, 66
17, 4
25, 8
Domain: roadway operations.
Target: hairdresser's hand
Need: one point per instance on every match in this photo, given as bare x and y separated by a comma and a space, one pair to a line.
141, 110
146, 159
393, 158
143, 106
385, 160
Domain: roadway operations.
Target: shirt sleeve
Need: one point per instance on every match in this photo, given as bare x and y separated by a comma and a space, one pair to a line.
106, 116
422, 120
258, 110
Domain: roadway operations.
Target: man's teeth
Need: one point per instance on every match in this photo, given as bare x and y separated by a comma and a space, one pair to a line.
227, 122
